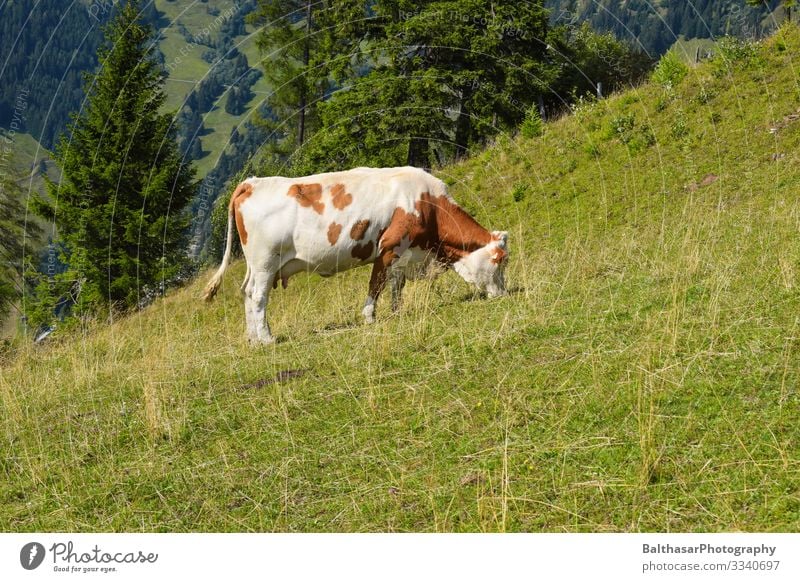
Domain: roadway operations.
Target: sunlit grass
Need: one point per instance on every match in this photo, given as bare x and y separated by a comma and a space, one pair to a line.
642, 375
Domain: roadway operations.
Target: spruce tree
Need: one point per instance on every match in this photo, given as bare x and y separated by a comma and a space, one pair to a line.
308, 46
119, 206
446, 76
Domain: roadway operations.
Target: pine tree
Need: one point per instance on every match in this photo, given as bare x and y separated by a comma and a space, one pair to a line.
119, 206
307, 47
450, 75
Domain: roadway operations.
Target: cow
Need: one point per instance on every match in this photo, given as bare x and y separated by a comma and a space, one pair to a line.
400, 220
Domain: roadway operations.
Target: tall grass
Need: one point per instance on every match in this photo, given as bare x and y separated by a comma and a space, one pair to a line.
642, 375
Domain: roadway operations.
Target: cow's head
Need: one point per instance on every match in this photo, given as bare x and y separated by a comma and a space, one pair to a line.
485, 267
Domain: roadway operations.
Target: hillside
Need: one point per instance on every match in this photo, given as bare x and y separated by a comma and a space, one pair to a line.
641, 376
200, 44
186, 34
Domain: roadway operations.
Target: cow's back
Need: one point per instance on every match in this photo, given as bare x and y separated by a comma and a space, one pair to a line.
332, 221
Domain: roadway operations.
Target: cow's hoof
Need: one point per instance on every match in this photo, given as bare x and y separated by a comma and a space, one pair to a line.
369, 314
262, 341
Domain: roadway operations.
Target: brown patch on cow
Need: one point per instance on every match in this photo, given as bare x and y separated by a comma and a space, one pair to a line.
438, 225
363, 251
242, 193
307, 196
334, 230
339, 197
459, 233
359, 229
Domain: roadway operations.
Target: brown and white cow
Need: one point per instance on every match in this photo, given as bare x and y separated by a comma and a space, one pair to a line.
398, 219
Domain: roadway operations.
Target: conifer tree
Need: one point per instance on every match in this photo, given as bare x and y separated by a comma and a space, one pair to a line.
307, 47
119, 205
446, 76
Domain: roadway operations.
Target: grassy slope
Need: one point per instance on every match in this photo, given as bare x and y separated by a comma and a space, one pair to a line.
24, 166
642, 376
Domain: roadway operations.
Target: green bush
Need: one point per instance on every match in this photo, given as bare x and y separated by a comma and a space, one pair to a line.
532, 126
592, 149
670, 71
519, 192
679, 127
622, 127
736, 50
641, 139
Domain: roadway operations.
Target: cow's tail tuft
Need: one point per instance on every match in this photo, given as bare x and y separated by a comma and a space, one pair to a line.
213, 285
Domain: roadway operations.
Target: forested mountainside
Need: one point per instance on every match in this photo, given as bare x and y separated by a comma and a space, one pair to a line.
209, 57
205, 47
44, 49
655, 25
212, 62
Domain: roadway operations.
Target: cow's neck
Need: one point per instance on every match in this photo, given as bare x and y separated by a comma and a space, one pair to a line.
458, 233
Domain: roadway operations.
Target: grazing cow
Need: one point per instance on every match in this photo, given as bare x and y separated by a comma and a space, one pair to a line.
400, 220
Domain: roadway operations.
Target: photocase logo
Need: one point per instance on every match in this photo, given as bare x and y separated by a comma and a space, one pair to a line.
31, 555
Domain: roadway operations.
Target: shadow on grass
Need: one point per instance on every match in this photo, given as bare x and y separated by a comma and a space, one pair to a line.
482, 296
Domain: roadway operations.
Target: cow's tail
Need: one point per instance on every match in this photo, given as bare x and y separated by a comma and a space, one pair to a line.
213, 285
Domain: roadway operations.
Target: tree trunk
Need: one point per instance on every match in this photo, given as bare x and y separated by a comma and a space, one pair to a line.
418, 155
463, 127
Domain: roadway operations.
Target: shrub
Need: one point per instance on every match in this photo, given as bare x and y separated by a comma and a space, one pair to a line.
679, 127
622, 127
736, 50
592, 149
670, 70
519, 192
705, 96
641, 139
532, 126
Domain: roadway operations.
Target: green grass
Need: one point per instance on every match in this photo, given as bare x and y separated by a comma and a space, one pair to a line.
642, 375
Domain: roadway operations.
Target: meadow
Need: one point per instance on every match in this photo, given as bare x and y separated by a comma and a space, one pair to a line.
642, 375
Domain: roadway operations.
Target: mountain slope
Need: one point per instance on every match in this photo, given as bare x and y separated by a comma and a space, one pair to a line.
642, 375
655, 25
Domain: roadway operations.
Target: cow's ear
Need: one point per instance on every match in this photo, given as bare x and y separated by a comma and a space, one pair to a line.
502, 238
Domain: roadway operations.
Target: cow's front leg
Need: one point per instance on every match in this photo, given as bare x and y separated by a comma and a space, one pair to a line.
376, 284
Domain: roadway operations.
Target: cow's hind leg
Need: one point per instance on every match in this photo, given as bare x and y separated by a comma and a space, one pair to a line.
377, 282
249, 310
262, 284
397, 280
